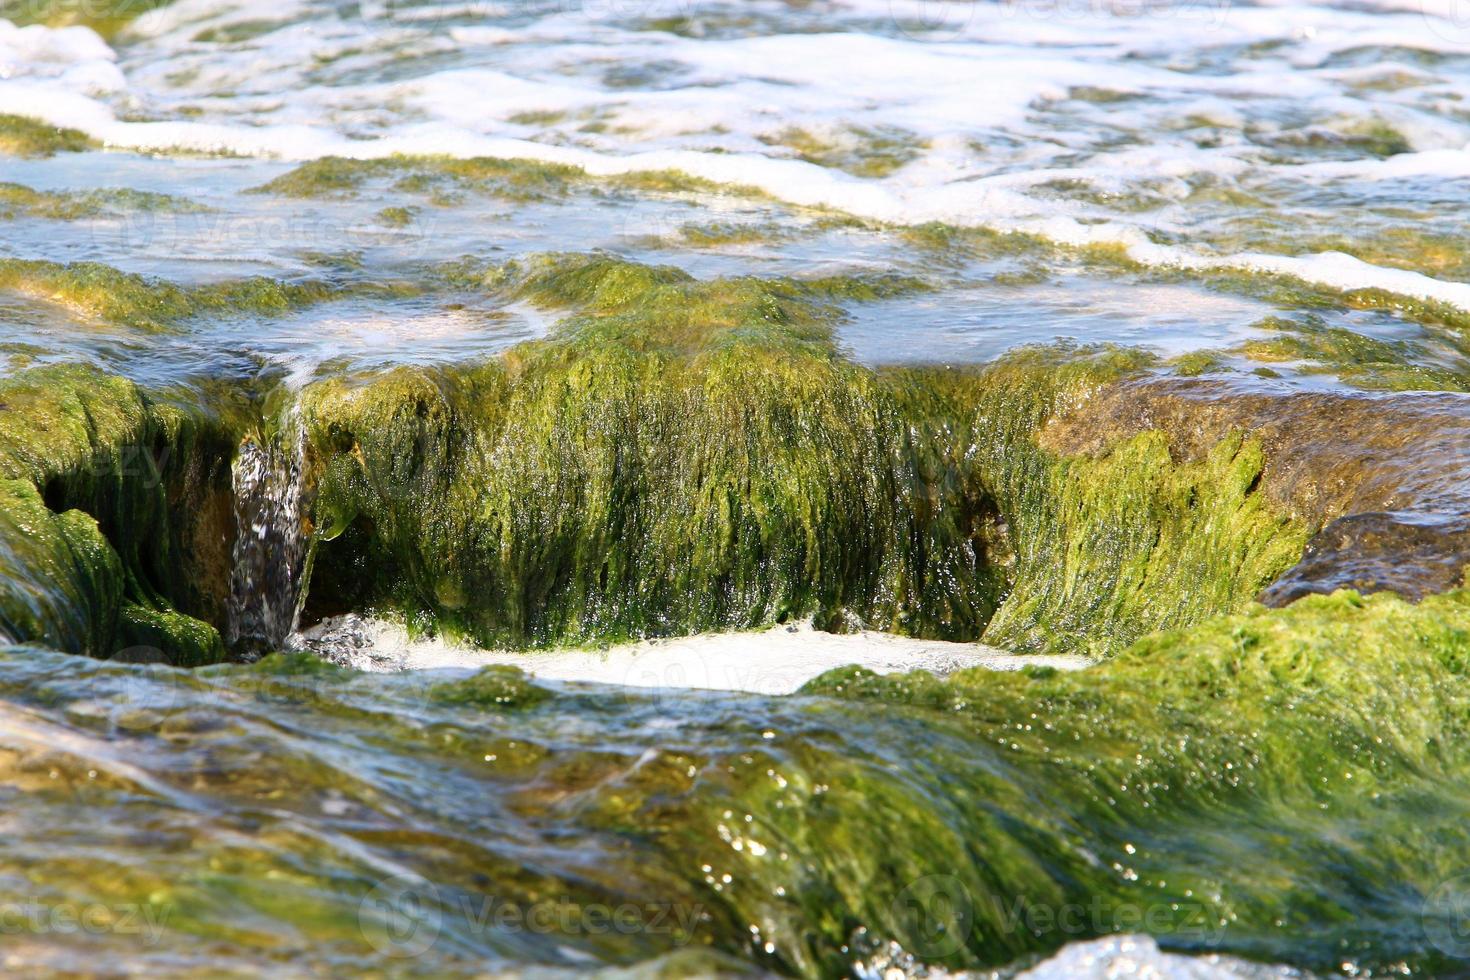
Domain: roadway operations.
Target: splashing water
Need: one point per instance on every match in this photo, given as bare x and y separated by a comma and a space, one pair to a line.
269, 555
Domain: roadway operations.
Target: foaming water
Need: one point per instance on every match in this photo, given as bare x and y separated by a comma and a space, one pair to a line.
269, 559
1144, 126
774, 661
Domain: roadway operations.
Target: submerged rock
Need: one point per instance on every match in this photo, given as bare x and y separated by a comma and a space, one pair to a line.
1278, 787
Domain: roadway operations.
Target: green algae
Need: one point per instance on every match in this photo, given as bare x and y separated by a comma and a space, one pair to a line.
26, 137
1272, 785
1249, 778
1109, 548
186, 641
396, 217
441, 178
97, 290
62, 583
720, 233
17, 200
1363, 362
119, 512
496, 687
862, 151
1416, 249
517, 180
684, 455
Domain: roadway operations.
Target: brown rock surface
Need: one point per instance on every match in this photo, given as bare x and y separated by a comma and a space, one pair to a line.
1385, 477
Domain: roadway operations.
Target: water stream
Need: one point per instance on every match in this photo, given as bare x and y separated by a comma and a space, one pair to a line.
269, 558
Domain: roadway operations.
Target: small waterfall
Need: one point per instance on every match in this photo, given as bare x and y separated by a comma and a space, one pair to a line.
270, 554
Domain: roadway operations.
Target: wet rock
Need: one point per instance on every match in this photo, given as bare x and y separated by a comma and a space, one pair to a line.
1410, 554
1383, 478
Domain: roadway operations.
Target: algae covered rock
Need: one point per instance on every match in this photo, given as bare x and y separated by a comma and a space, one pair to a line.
681, 456
112, 516
1280, 785
1382, 479
688, 455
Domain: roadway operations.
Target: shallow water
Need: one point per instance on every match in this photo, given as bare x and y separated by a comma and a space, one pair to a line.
779, 660
1192, 136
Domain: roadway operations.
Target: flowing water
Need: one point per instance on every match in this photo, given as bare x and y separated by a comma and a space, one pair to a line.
269, 556
1272, 195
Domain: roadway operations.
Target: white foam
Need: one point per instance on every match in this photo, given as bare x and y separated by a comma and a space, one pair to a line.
982, 92
774, 661
1139, 957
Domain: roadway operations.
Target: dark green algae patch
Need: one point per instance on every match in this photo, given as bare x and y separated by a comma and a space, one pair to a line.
114, 517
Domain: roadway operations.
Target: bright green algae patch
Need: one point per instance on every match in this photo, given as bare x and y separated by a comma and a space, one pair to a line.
685, 455
116, 515
689, 455
1281, 785
26, 137
1110, 548
94, 289
1264, 782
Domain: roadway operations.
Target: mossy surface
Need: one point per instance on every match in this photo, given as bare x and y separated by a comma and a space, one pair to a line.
1272, 785
1255, 780
119, 511
17, 200
519, 180
94, 289
1114, 545
441, 179
685, 455
1361, 361
26, 137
